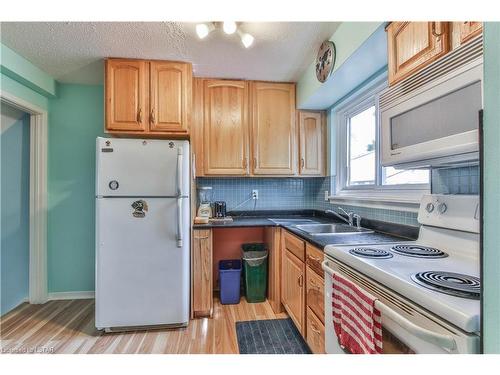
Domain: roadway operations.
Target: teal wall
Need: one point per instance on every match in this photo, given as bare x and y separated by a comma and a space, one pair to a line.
348, 37
15, 171
21, 70
76, 119
491, 181
21, 91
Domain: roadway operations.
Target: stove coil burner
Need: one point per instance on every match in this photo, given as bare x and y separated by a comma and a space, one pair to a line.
369, 252
419, 251
451, 283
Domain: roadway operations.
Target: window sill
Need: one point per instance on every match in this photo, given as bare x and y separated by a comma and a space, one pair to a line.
407, 201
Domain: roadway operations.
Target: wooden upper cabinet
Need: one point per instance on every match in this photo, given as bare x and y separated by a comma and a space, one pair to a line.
170, 96
196, 128
414, 45
226, 138
126, 95
148, 98
468, 30
273, 128
311, 143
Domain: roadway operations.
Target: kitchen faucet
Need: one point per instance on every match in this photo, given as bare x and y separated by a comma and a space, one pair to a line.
351, 216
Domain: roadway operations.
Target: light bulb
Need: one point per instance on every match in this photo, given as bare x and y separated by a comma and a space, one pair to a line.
246, 39
229, 27
203, 29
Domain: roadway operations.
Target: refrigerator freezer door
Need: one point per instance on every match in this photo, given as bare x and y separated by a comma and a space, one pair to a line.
132, 167
142, 276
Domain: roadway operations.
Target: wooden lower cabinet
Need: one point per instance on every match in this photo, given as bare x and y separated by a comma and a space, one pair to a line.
315, 293
294, 245
272, 238
292, 288
202, 287
315, 336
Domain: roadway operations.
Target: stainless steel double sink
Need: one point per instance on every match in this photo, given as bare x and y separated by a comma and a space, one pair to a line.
314, 228
331, 229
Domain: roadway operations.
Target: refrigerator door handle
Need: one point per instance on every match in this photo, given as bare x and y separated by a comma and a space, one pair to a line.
179, 196
179, 171
179, 222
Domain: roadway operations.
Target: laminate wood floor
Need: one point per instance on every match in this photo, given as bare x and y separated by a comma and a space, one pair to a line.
68, 327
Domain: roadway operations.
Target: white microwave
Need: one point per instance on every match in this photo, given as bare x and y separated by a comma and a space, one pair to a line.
437, 123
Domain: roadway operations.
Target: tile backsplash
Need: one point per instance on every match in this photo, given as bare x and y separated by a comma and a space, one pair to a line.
309, 193
459, 180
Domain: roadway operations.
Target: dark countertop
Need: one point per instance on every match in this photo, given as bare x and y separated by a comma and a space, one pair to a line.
384, 231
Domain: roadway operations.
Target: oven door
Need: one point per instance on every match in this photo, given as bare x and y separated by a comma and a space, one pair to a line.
406, 328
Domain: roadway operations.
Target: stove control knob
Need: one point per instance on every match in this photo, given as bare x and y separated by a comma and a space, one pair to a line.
430, 207
442, 208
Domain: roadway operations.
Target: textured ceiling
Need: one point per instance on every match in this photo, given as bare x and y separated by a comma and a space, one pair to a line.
73, 51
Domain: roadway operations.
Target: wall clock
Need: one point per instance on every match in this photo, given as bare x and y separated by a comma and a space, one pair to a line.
325, 60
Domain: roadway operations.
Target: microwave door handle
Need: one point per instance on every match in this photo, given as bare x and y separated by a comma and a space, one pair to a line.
179, 196
443, 341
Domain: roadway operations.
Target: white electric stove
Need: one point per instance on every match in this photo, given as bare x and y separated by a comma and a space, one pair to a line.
428, 289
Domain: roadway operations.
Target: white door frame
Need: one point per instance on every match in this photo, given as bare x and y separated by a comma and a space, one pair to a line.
38, 196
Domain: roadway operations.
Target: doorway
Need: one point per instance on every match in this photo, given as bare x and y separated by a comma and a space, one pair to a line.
23, 202
15, 173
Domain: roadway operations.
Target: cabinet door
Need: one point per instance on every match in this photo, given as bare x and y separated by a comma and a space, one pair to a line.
226, 127
273, 129
126, 95
196, 128
413, 45
311, 144
202, 273
315, 335
315, 295
469, 29
170, 97
292, 283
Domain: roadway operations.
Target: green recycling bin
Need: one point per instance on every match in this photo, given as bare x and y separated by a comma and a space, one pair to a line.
255, 271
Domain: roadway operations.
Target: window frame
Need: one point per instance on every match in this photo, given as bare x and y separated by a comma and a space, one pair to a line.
356, 103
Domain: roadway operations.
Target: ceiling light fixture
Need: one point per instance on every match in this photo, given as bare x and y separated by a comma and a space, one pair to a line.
229, 27
203, 29
246, 39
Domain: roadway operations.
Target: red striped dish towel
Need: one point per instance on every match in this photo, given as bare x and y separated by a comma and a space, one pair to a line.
356, 320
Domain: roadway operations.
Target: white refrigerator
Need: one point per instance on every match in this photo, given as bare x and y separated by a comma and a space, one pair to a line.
142, 233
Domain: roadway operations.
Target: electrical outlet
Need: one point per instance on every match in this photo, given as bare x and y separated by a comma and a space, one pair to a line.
326, 195
255, 194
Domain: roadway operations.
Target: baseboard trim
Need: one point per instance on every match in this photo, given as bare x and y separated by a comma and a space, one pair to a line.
71, 295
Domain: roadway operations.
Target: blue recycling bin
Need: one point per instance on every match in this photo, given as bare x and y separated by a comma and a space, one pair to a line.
229, 281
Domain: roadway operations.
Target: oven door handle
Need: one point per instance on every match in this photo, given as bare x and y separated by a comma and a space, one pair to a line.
443, 341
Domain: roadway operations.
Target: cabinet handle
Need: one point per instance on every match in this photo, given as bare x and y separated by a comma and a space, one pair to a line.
139, 116
315, 330
152, 116
434, 31
314, 285
301, 280
254, 163
244, 162
314, 259
302, 163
